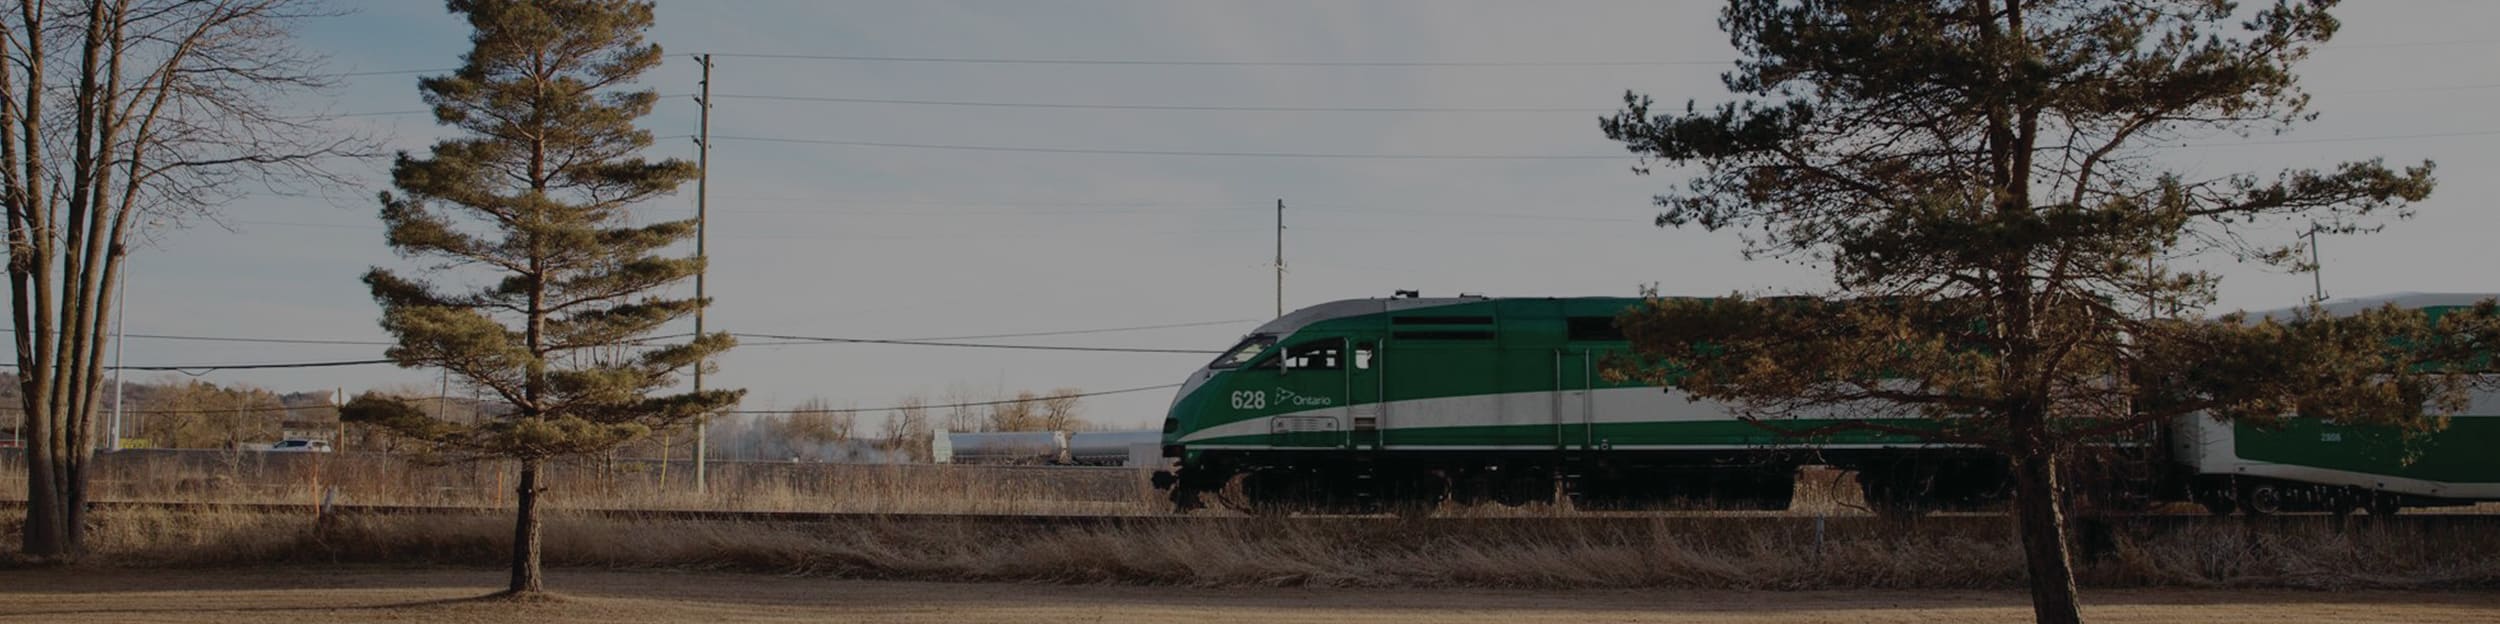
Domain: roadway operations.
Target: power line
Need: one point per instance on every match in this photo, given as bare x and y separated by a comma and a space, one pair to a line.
1177, 107
395, 72
312, 341
845, 410
1074, 332
2461, 87
793, 340
2390, 137
922, 341
1133, 152
2410, 44
1344, 156
202, 369
1207, 63
856, 410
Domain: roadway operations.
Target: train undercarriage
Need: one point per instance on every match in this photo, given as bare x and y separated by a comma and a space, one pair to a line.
1889, 482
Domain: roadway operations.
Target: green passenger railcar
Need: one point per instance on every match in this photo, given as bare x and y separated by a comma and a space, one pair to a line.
2313, 463
1415, 400
1383, 403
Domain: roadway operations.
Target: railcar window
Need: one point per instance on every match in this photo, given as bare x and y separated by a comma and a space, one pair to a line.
1363, 355
1249, 349
1594, 328
1453, 334
1442, 320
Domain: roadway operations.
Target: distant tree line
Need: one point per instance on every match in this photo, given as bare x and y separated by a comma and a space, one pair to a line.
818, 430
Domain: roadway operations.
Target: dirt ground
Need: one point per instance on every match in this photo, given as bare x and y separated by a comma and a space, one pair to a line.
359, 594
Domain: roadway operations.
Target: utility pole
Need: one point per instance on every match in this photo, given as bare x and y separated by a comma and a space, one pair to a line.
120, 305
1280, 257
703, 175
2317, 282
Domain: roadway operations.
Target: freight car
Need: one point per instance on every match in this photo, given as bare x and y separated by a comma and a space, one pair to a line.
999, 447
1080, 448
1402, 403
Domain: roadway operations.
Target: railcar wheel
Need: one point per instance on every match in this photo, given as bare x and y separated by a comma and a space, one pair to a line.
2217, 505
1240, 494
2261, 499
2345, 503
1411, 509
2385, 505
1891, 495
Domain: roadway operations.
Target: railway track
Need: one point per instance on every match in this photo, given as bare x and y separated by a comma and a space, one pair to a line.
1648, 521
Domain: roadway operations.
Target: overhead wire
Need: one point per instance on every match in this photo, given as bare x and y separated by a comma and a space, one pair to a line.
895, 408
936, 341
970, 60
196, 370
1170, 107
1100, 330
1148, 152
2353, 139
839, 410
791, 339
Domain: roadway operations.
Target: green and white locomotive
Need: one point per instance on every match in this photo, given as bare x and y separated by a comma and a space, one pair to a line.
1405, 402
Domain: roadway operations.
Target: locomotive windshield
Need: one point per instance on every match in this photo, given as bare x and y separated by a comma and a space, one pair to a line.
1249, 349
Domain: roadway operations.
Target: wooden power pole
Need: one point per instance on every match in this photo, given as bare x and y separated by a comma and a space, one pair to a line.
703, 175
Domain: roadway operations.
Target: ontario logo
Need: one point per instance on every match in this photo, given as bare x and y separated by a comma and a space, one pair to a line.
1289, 397
1284, 397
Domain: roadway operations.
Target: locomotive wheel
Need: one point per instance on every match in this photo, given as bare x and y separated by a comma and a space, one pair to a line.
2385, 505
2345, 503
2261, 499
1891, 495
1239, 494
2217, 505
1410, 509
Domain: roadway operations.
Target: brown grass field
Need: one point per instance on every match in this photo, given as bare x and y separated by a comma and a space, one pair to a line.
153, 564
365, 594
1753, 554
368, 479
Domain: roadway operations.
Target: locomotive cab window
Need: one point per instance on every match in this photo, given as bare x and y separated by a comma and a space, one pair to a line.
1326, 354
1249, 349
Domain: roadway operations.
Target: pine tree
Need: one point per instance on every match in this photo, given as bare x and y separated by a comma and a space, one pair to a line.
549, 170
1982, 179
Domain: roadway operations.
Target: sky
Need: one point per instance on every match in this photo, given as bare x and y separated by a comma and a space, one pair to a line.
891, 241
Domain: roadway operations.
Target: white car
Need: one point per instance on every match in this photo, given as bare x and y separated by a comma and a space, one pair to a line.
300, 446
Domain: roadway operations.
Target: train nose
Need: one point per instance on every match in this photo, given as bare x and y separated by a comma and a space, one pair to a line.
1176, 422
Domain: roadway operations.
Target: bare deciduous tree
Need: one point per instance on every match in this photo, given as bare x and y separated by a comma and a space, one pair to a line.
959, 415
1059, 410
198, 414
115, 114
906, 429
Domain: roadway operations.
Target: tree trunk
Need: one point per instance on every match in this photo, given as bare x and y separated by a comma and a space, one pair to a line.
2044, 539
526, 578
73, 476
46, 535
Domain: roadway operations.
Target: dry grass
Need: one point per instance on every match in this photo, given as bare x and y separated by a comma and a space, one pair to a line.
398, 594
1362, 553
1767, 550
220, 477
357, 479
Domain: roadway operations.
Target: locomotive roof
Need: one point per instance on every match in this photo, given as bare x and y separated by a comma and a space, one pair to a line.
2343, 307
1343, 308
1352, 307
